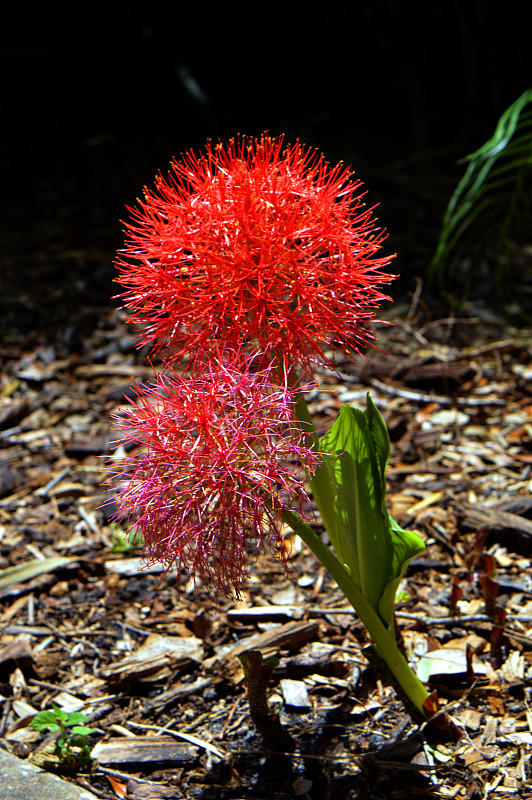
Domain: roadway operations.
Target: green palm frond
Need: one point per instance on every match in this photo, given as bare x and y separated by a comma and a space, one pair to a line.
492, 203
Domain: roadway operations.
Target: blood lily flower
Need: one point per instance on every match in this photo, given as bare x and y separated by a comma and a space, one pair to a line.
218, 463
253, 244
262, 250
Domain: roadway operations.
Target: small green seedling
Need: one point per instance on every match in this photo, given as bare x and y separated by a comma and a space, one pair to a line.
72, 745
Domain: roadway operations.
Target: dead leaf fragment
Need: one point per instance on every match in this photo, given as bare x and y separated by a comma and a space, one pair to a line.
30, 569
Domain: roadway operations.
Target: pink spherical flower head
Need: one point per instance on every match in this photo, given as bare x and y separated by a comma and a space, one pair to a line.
253, 244
219, 461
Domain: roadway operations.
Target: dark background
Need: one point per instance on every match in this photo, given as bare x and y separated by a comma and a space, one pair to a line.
97, 99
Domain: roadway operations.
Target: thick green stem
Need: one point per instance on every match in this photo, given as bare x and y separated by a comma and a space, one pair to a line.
383, 638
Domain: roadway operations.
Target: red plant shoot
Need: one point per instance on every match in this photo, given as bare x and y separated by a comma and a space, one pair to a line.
253, 244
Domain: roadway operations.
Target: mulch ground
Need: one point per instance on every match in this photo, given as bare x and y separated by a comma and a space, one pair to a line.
155, 669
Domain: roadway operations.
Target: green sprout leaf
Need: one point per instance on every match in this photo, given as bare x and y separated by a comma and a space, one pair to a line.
60, 714
82, 730
72, 745
45, 718
76, 718
43, 725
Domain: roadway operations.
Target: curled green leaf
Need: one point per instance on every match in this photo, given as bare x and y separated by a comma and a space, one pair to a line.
374, 549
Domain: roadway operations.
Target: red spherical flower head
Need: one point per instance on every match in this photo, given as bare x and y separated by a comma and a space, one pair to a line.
219, 463
253, 244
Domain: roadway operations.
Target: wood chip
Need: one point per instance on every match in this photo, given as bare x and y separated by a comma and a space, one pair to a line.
140, 749
283, 637
295, 693
155, 655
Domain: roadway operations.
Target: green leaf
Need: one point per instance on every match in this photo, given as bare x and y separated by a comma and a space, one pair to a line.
42, 726
501, 172
335, 484
76, 718
30, 569
405, 546
60, 714
372, 547
82, 730
45, 718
